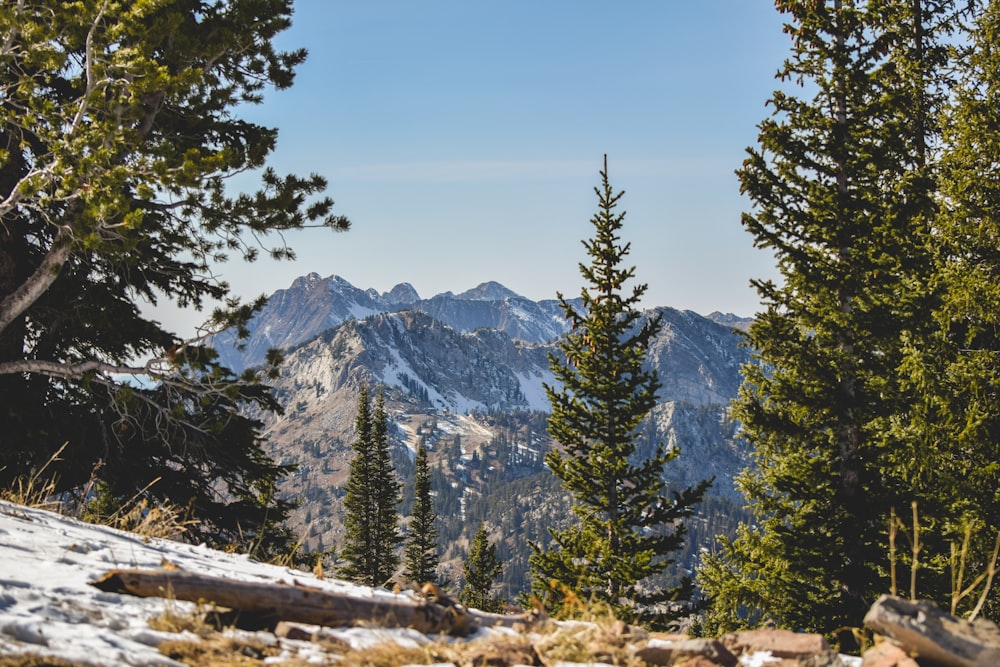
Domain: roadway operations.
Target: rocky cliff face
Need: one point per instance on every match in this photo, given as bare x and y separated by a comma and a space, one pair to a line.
464, 374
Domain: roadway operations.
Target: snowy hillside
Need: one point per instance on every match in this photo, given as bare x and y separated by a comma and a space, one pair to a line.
49, 609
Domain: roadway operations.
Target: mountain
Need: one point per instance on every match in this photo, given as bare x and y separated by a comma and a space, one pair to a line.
464, 374
733, 321
312, 304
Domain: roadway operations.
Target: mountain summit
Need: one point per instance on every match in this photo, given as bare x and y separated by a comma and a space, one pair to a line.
312, 304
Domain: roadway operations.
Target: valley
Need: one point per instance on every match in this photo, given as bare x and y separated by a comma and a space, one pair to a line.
461, 382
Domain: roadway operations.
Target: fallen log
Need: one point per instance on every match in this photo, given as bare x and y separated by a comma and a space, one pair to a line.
303, 604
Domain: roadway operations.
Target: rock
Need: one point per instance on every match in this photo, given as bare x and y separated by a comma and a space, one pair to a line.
697, 661
887, 654
926, 632
661, 652
781, 643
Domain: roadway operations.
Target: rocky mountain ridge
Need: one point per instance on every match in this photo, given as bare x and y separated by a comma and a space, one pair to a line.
312, 304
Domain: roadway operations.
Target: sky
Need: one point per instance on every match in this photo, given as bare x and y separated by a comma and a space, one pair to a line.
464, 141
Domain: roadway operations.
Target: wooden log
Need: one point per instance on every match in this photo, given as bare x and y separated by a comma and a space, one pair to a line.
301, 604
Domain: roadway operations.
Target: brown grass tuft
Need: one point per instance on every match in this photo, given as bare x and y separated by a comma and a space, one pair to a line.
221, 651
176, 621
389, 655
33, 660
36, 490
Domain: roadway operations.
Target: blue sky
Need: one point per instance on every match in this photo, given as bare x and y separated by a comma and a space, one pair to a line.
464, 140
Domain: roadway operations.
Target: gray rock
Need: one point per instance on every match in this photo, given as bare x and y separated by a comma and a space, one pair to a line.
926, 632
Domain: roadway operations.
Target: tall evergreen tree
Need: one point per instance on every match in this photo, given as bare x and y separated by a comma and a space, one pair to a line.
421, 547
953, 437
120, 127
844, 191
371, 521
388, 491
627, 524
480, 570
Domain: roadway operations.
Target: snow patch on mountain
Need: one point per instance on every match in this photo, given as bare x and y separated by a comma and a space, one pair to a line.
533, 391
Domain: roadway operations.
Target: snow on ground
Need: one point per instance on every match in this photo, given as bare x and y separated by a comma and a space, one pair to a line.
534, 392
461, 423
48, 608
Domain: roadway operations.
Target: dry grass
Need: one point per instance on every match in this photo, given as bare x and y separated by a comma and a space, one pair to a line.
605, 640
37, 490
391, 655
137, 515
492, 652
33, 660
157, 520
219, 650
176, 621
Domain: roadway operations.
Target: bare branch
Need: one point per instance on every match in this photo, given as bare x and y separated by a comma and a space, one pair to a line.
89, 66
15, 303
8, 44
70, 371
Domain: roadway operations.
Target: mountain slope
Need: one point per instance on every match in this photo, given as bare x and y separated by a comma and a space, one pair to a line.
476, 400
312, 304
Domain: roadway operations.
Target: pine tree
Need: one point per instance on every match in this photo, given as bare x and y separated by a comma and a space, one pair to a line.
627, 526
421, 548
953, 437
843, 186
480, 570
371, 521
121, 126
389, 492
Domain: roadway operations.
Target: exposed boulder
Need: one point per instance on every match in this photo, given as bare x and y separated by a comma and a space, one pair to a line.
933, 636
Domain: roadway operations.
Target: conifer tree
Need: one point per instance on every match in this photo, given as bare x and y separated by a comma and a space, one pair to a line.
121, 128
371, 521
627, 525
952, 440
480, 570
843, 186
421, 547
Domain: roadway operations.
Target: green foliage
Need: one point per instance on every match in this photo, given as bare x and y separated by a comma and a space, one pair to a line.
844, 186
627, 526
371, 522
480, 571
119, 132
421, 547
953, 434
